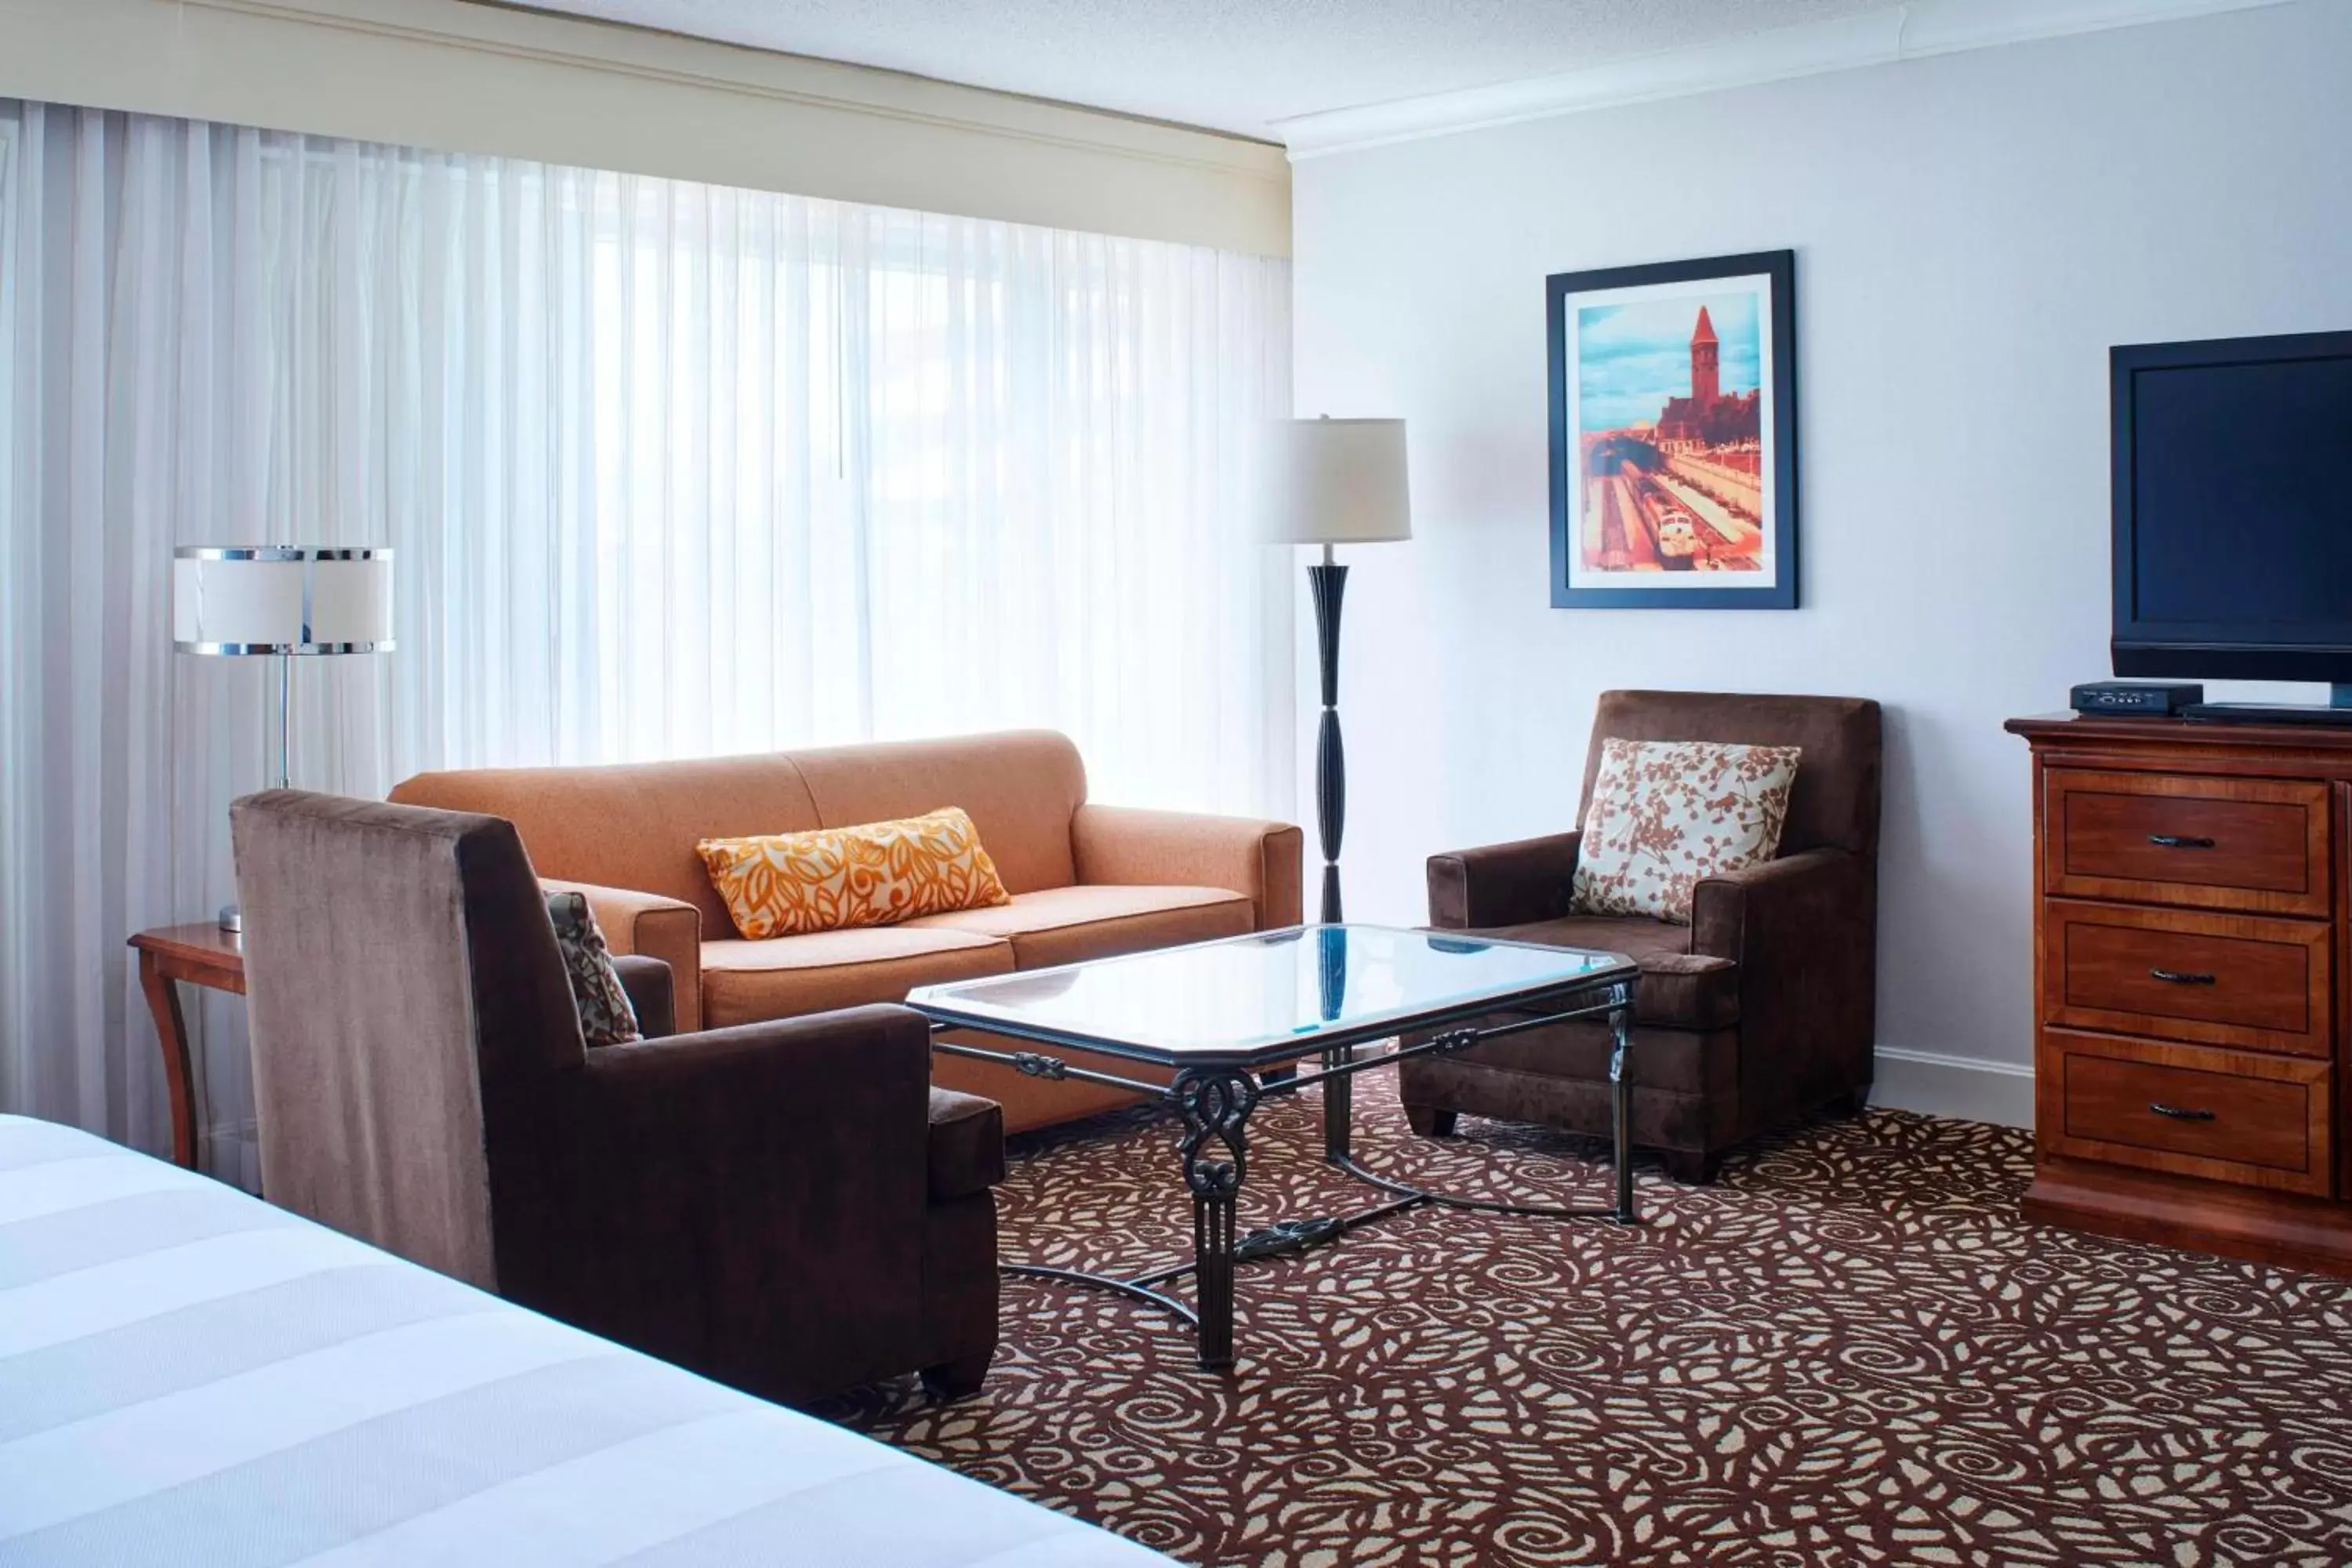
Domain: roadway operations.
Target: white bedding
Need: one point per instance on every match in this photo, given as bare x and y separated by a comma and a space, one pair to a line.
190, 1375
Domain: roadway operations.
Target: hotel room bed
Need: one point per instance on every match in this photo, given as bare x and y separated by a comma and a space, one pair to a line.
188, 1374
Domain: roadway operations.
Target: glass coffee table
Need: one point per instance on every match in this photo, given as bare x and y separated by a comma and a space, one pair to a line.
1236, 1019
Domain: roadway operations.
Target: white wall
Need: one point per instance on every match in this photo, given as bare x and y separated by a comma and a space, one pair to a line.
1973, 231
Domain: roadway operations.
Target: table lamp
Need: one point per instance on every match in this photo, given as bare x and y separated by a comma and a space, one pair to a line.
291, 600
1331, 482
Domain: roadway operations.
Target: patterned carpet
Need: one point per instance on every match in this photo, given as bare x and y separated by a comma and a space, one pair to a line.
1850, 1350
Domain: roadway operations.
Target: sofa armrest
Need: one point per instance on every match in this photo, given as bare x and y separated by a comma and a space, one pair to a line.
1503, 884
734, 1189
646, 981
653, 925
1121, 845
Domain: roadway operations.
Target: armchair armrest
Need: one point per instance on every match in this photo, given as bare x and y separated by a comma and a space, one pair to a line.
1804, 932
653, 925
1503, 884
1115, 846
732, 1189
1811, 897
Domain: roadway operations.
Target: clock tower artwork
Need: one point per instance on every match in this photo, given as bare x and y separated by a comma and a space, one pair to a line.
1709, 418
1674, 444
1706, 384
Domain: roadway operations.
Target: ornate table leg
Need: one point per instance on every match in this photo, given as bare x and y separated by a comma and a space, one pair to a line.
1217, 1103
171, 1031
1621, 1101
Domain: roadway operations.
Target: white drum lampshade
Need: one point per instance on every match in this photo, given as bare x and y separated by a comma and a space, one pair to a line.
281, 599
290, 600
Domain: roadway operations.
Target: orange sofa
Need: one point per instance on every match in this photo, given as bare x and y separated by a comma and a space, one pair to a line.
1086, 880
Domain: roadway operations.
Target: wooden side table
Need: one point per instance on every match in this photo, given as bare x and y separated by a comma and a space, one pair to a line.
202, 955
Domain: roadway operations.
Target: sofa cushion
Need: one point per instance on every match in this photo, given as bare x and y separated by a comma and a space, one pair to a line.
967, 1145
1021, 788
632, 824
1067, 925
1600, 933
1678, 989
785, 976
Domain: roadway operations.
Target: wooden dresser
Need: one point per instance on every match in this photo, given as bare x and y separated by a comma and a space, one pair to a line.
2191, 985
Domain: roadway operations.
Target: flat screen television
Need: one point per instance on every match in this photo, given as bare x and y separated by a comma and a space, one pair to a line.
2233, 511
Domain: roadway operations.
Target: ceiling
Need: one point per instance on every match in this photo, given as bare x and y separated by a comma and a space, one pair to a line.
1237, 66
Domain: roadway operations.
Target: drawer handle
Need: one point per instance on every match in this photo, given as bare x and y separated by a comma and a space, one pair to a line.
2179, 1113
2178, 841
2181, 977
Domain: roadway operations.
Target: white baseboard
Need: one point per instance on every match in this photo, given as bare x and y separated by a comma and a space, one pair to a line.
1967, 1088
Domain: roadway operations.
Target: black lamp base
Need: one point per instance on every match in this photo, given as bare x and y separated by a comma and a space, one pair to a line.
1329, 580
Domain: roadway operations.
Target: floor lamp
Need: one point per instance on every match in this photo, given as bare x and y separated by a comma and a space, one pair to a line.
294, 601
1336, 481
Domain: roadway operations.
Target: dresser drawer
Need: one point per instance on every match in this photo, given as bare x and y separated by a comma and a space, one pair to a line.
2249, 981
2192, 1110
2173, 838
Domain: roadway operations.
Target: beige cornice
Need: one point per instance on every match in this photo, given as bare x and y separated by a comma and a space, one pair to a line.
461, 76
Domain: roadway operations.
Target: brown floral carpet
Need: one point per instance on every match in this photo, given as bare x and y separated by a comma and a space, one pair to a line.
1850, 1350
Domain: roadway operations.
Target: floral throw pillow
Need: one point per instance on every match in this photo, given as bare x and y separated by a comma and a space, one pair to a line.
878, 873
607, 1017
1667, 813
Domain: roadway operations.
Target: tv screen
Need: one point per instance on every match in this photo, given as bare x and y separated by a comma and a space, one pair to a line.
2233, 509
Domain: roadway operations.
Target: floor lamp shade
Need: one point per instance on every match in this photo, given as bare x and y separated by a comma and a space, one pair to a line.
280, 599
286, 600
1335, 481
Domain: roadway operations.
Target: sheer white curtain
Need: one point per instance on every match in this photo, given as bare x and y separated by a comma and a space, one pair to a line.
668, 468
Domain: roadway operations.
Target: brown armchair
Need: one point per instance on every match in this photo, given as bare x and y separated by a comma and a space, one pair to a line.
1761, 1009
789, 1207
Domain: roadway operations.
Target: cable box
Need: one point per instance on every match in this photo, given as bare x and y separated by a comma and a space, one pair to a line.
2144, 698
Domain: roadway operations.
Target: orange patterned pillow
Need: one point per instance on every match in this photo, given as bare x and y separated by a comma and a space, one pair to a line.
783, 884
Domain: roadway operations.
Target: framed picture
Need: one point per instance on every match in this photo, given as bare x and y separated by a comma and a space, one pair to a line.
1674, 434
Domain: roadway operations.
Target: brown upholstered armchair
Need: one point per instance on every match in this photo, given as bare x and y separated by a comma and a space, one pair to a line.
1761, 1009
789, 1207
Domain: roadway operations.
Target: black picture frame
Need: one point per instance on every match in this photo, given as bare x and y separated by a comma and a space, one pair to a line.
1776, 447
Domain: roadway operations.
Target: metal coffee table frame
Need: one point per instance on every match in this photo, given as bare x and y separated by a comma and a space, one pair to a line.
1217, 1095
